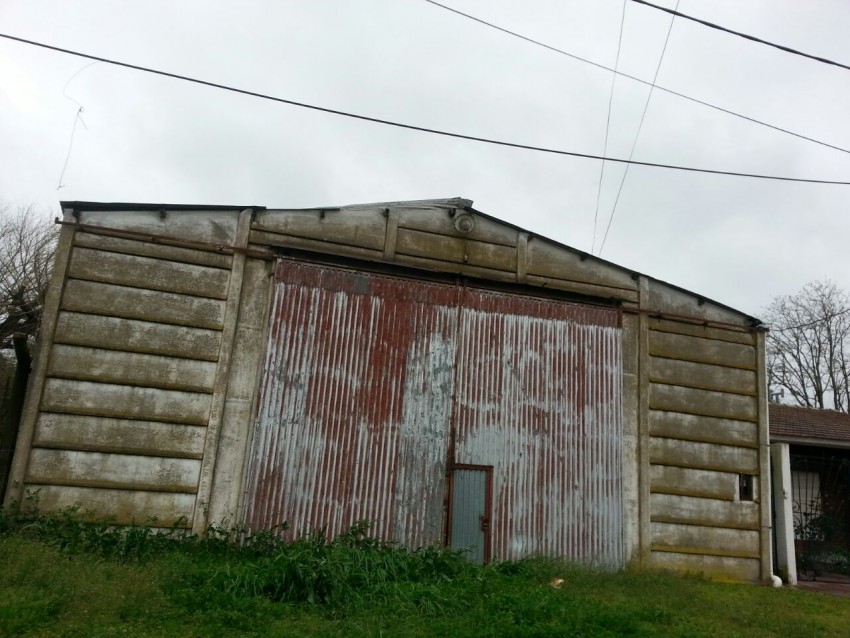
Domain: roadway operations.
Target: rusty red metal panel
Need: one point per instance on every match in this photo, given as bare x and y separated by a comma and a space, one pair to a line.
375, 385
355, 405
538, 397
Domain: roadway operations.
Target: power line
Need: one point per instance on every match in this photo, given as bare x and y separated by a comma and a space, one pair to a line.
637, 135
413, 127
607, 127
746, 36
78, 117
637, 79
813, 322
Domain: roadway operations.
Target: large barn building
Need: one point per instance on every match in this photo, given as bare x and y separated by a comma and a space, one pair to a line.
421, 365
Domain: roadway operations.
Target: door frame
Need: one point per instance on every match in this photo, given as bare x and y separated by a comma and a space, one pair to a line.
488, 504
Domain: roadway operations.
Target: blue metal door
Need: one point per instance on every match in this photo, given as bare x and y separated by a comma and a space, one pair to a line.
469, 524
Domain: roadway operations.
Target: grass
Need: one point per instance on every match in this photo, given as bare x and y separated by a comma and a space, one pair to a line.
64, 577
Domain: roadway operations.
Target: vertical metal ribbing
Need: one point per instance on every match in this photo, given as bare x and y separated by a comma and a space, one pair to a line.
357, 399
355, 404
539, 400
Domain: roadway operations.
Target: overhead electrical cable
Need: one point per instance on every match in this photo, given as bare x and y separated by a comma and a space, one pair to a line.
813, 322
77, 118
637, 135
746, 36
637, 79
413, 127
608, 127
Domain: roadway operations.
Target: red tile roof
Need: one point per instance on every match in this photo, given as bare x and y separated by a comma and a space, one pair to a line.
810, 423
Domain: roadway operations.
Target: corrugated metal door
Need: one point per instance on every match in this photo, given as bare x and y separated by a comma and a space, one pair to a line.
538, 397
355, 405
469, 525
374, 385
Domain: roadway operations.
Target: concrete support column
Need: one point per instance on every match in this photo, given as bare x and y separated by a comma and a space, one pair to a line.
201, 517
766, 536
783, 523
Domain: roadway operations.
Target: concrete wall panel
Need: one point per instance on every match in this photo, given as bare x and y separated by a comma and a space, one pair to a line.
456, 249
215, 226
149, 305
709, 512
716, 567
663, 296
548, 259
147, 273
137, 336
705, 456
264, 238
129, 368
441, 223
702, 376
742, 336
121, 471
686, 481
713, 351
708, 540
105, 399
123, 507
693, 427
145, 248
362, 228
724, 405
125, 436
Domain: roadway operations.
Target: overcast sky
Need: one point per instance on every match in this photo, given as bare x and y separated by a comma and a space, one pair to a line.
145, 138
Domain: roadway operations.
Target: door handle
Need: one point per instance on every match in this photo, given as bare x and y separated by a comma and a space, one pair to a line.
485, 523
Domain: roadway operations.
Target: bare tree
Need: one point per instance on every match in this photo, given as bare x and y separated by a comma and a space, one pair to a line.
27, 245
808, 346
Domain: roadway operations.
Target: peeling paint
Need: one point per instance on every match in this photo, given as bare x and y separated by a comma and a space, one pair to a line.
367, 377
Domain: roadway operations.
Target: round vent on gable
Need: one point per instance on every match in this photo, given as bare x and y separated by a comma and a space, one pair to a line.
464, 223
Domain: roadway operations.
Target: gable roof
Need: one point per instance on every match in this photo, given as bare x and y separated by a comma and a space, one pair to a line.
574, 266
809, 425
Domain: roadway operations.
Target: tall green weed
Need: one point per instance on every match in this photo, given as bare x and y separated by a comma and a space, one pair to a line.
235, 564
317, 570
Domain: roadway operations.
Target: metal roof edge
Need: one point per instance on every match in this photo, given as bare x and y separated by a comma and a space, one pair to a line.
125, 206
447, 203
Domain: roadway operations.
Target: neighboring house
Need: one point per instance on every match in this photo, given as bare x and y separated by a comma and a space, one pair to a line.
810, 449
421, 365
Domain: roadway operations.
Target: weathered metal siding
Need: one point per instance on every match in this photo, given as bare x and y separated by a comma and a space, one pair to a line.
539, 398
355, 404
365, 375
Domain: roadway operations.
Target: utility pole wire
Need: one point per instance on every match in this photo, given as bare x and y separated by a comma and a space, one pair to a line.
422, 129
808, 324
77, 117
637, 135
637, 79
608, 127
746, 36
